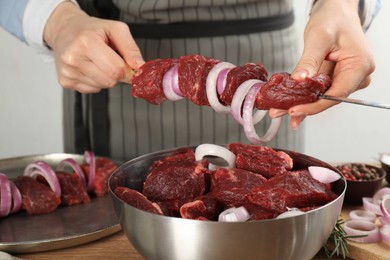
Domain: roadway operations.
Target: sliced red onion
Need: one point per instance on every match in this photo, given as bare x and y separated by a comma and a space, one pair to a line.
16, 198
369, 205
170, 84
239, 97
239, 214
221, 80
291, 212
323, 174
368, 230
248, 119
5, 196
211, 87
45, 170
385, 208
360, 214
380, 194
75, 167
89, 158
385, 233
384, 221
205, 150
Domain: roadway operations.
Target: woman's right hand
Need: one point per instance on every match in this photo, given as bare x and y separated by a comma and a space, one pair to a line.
91, 54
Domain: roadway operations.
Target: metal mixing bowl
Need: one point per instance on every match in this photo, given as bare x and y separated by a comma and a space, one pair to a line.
161, 237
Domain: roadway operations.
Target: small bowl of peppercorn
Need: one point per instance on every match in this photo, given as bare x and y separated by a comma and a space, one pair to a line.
363, 180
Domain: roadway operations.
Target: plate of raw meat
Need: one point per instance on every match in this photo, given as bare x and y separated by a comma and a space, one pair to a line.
66, 226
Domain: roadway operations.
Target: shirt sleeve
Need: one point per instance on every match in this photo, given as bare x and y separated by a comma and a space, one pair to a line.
368, 9
11, 17
36, 14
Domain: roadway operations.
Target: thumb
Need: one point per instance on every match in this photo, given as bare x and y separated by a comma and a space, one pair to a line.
310, 62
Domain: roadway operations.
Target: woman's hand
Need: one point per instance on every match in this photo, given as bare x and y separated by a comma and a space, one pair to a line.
90, 53
334, 43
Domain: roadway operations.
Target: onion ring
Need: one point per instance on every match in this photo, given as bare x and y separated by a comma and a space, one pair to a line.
75, 166
211, 87
89, 158
248, 119
360, 214
221, 80
367, 229
16, 198
385, 208
239, 214
323, 174
369, 205
44, 169
291, 212
169, 82
380, 194
5, 196
204, 150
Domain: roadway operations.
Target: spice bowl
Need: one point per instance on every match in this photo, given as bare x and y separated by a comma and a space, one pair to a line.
363, 180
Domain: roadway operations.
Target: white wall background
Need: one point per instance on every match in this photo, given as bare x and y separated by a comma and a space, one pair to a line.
31, 120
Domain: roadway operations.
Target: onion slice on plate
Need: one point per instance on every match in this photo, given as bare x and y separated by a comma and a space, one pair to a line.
380, 194
239, 214
369, 205
360, 214
16, 198
170, 84
385, 209
368, 231
323, 174
89, 158
249, 119
75, 167
213, 150
5, 196
44, 169
211, 87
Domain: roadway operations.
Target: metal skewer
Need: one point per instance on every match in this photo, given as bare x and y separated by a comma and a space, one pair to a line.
356, 101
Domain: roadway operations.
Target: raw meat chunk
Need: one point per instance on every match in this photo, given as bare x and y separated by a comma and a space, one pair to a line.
261, 159
204, 208
37, 198
193, 71
137, 200
73, 191
238, 75
283, 92
147, 83
295, 189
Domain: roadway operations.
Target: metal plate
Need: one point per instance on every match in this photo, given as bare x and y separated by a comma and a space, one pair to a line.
67, 226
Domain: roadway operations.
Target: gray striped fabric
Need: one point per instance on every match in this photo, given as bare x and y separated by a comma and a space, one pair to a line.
137, 127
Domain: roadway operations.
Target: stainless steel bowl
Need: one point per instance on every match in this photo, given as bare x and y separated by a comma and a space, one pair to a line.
162, 237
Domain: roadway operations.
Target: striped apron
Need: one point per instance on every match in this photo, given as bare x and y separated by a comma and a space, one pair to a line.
113, 123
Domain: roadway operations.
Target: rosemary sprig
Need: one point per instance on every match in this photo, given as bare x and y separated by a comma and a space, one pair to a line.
336, 244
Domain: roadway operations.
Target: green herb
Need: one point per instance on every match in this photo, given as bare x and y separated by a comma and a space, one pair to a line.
336, 244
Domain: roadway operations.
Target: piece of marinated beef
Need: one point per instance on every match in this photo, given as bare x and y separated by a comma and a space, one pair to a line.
137, 200
258, 213
37, 198
147, 82
283, 92
176, 179
237, 76
203, 208
231, 186
193, 71
73, 191
295, 189
261, 159
104, 168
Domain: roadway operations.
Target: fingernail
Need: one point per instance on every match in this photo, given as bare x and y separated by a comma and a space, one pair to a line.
278, 113
297, 113
300, 74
